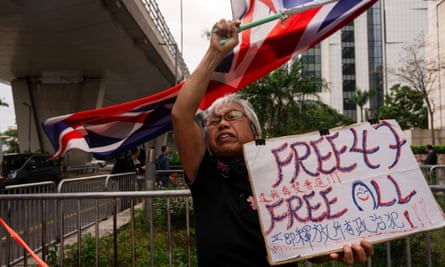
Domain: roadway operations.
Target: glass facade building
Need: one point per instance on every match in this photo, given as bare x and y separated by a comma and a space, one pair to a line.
375, 55
364, 54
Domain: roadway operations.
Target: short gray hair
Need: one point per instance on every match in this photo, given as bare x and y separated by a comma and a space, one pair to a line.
248, 109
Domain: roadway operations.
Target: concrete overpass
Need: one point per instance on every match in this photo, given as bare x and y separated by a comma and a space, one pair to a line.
66, 56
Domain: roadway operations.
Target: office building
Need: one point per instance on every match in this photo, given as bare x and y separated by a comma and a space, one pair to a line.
364, 54
435, 55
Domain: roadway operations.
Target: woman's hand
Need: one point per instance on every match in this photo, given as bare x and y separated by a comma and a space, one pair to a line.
351, 254
356, 253
224, 36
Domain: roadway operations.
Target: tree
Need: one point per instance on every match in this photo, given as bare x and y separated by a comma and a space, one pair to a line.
360, 99
286, 102
406, 106
10, 136
420, 74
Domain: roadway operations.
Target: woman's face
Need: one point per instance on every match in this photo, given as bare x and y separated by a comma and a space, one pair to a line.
228, 129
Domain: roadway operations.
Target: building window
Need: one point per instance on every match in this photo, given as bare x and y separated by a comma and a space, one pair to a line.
348, 85
375, 55
348, 69
312, 62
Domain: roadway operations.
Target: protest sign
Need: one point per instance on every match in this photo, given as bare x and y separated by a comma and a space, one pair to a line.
315, 193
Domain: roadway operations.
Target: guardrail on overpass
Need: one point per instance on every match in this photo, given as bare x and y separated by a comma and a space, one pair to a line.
155, 13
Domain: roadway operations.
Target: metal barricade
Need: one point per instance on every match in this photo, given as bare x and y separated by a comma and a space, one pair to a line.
434, 174
30, 218
176, 178
69, 208
113, 223
123, 182
33, 216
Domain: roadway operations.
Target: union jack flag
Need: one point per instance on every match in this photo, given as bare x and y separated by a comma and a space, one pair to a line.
262, 49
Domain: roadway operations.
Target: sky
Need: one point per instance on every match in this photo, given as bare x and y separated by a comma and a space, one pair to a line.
198, 16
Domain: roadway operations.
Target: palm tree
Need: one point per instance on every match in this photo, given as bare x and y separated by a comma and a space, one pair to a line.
360, 99
287, 102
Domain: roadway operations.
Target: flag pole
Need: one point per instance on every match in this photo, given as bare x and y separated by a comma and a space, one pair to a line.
284, 14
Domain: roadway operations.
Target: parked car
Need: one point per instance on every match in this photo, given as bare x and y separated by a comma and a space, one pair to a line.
29, 168
99, 162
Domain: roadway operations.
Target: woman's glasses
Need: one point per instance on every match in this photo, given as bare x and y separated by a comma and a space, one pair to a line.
230, 115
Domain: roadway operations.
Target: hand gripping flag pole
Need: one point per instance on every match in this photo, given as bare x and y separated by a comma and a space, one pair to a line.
283, 15
22, 243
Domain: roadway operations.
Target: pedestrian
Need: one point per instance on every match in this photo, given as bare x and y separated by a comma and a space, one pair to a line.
130, 163
431, 157
163, 166
227, 229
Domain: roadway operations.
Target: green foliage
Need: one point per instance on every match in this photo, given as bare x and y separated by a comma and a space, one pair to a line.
360, 98
420, 149
418, 245
439, 149
11, 141
418, 72
51, 256
286, 102
174, 158
142, 241
398, 252
406, 106
179, 246
177, 211
318, 115
87, 252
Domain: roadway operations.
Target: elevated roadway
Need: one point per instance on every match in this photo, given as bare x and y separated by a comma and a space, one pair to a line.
65, 56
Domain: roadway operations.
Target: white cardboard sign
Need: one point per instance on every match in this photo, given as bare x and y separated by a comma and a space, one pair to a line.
316, 193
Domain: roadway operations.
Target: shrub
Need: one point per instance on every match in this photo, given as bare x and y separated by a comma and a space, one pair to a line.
142, 242
174, 158
440, 149
177, 211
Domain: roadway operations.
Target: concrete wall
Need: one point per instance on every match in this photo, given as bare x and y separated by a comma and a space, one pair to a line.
423, 136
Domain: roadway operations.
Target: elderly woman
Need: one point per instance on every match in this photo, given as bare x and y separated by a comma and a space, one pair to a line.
227, 225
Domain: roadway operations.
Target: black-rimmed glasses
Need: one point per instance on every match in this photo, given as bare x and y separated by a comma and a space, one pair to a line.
230, 115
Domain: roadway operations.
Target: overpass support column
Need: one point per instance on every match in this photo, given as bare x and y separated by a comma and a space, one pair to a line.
36, 99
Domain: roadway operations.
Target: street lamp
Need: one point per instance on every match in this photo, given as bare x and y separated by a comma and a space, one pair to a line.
29, 106
175, 47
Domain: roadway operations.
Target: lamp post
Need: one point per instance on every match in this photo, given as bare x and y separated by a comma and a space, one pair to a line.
176, 63
29, 106
181, 11
175, 47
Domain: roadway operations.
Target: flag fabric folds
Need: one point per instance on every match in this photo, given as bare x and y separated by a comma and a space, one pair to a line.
262, 49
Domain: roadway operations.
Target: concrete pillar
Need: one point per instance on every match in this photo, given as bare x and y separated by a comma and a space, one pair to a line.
36, 99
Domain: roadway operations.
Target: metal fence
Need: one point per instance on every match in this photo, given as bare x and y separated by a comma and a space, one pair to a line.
48, 216
434, 174
44, 220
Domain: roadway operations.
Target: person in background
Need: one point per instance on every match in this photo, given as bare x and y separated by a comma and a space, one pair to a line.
227, 228
431, 157
130, 164
163, 165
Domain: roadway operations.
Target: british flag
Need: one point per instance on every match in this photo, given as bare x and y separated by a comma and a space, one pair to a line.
262, 49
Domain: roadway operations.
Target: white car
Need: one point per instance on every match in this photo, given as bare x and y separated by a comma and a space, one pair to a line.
99, 162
